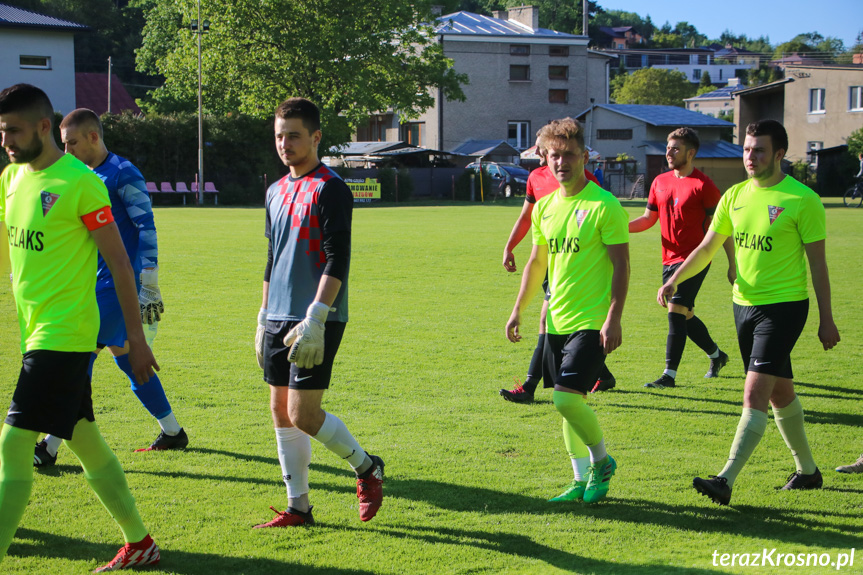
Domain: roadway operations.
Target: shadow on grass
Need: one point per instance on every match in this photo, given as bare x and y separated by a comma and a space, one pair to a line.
831, 388
523, 546
756, 522
42, 544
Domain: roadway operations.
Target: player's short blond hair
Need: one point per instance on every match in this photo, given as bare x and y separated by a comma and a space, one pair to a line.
557, 133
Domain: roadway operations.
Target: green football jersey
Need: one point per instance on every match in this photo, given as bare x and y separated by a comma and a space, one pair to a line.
52, 253
770, 227
577, 230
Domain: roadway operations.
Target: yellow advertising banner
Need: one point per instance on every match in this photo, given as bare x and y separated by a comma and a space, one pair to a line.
367, 190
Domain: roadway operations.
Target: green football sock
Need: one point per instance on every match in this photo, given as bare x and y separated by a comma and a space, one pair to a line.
104, 474
789, 420
575, 447
579, 415
749, 431
16, 480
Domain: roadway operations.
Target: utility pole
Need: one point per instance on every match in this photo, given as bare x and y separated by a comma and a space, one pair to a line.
200, 30
109, 84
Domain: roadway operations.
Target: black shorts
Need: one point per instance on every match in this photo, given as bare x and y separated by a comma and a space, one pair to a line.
278, 371
767, 334
577, 359
545, 287
686, 291
53, 392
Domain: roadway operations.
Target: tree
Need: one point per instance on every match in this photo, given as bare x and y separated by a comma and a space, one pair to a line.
705, 81
855, 142
652, 86
351, 58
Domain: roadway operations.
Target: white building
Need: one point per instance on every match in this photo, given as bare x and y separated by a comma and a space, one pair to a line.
39, 50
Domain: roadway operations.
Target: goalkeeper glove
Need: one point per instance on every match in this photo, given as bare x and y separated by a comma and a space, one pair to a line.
259, 337
306, 340
150, 298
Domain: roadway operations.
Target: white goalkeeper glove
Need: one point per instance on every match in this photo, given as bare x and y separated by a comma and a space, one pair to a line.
150, 298
259, 337
306, 340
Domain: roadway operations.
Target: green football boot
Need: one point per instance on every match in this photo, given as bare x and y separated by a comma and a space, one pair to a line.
598, 478
574, 492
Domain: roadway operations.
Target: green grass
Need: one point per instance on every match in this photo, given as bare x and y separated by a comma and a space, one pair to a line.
416, 381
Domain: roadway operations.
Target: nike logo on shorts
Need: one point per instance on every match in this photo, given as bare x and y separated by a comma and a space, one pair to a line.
299, 379
565, 373
756, 362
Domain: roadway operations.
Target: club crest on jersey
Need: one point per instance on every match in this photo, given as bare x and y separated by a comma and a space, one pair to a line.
774, 212
580, 215
48, 201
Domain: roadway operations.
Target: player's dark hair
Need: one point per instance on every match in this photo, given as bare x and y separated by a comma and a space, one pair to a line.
772, 128
81, 118
303, 109
26, 99
686, 135
559, 132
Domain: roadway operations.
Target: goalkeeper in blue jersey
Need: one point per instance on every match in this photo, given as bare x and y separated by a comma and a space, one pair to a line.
81, 132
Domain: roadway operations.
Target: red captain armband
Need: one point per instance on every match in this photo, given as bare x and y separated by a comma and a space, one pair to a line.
97, 219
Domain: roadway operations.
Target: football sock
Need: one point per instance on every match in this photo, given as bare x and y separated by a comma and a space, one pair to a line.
103, 472
672, 373
16, 480
749, 431
579, 415
697, 332
597, 452
169, 424
150, 394
605, 374
534, 370
93, 357
52, 444
295, 456
336, 437
676, 341
577, 450
789, 420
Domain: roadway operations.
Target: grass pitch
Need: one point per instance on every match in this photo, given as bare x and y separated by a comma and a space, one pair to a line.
416, 381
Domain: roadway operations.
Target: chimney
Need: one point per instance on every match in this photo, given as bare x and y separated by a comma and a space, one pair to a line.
527, 15
734, 81
499, 14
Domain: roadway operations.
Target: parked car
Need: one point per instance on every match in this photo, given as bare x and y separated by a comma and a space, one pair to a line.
511, 178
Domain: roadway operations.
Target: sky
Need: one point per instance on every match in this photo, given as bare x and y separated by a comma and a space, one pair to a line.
780, 21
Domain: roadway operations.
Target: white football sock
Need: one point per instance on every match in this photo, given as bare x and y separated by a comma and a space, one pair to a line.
52, 445
579, 467
295, 455
169, 424
597, 452
336, 437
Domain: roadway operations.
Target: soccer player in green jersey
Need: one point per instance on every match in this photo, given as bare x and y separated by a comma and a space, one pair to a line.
56, 213
580, 237
777, 223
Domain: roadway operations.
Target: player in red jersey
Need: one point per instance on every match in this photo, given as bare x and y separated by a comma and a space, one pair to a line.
683, 199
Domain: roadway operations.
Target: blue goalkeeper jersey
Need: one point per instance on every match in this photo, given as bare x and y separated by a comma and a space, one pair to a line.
133, 214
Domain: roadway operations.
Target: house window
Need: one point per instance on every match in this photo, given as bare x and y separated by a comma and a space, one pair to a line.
811, 148
816, 101
720, 73
625, 134
412, 133
855, 98
375, 130
558, 96
35, 62
519, 49
519, 73
558, 72
696, 74
518, 134
558, 51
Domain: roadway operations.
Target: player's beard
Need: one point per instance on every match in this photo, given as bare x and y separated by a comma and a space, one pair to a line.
28, 154
765, 172
676, 163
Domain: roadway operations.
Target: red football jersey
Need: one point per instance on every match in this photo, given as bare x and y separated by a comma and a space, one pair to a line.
684, 206
542, 182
